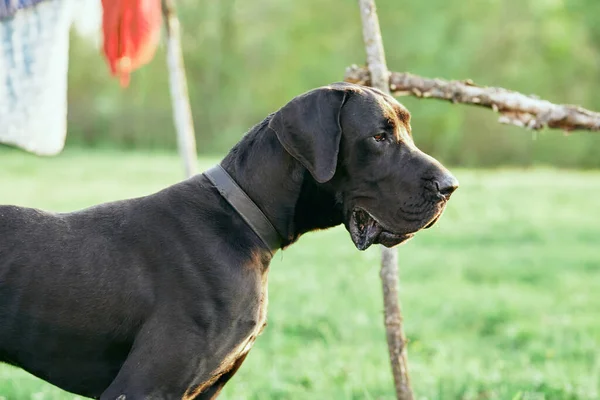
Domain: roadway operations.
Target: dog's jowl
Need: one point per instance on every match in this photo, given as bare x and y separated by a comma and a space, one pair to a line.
162, 297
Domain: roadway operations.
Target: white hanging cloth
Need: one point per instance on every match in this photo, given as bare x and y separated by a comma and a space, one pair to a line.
34, 51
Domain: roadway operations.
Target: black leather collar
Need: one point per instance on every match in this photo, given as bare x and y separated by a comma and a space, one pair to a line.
244, 206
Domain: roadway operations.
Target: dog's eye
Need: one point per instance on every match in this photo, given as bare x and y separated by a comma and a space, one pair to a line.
379, 137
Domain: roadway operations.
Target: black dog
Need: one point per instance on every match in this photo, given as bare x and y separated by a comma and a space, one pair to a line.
162, 297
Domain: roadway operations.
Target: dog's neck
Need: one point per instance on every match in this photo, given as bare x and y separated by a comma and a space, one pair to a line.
281, 187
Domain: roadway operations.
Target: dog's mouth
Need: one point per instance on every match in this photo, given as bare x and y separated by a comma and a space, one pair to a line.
433, 221
365, 231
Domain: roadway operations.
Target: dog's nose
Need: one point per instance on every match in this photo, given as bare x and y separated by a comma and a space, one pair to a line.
447, 185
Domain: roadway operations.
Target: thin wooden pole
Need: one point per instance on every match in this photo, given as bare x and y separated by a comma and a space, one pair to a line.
389, 257
182, 112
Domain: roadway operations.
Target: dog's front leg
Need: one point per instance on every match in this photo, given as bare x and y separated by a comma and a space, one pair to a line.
166, 360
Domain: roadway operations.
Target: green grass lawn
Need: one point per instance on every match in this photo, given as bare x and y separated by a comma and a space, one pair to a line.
501, 298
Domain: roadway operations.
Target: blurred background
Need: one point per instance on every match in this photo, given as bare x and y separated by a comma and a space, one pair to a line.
500, 298
245, 59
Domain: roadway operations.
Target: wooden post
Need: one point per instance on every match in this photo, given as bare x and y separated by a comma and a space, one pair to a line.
389, 257
182, 113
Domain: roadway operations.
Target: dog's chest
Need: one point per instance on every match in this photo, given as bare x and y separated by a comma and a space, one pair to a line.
261, 321
255, 323
244, 346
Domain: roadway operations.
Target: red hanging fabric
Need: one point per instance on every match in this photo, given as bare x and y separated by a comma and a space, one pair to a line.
131, 31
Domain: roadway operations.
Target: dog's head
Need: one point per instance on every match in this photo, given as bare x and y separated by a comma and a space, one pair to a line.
357, 142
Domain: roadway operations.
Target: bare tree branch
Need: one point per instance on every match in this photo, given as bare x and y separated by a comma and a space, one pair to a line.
515, 108
389, 257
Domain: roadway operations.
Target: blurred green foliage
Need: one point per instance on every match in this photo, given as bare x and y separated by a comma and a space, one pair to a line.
245, 59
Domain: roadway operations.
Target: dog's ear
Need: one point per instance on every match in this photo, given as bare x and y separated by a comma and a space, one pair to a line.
309, 129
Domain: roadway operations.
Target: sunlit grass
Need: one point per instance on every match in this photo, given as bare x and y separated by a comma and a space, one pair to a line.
501, 298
